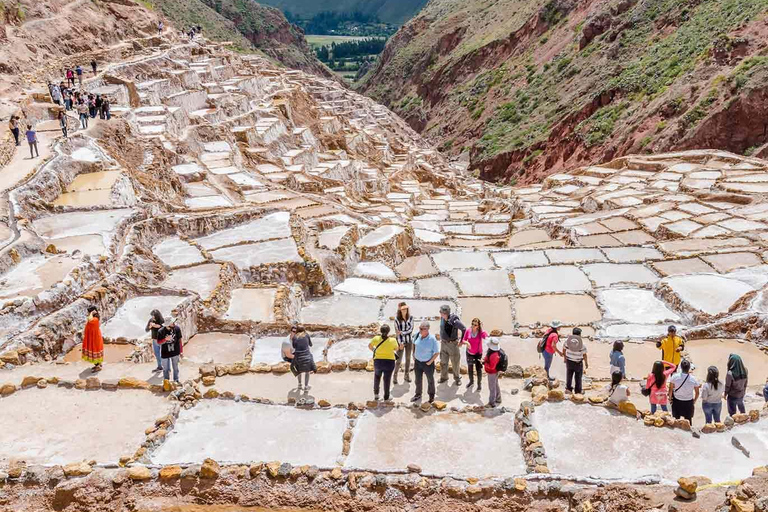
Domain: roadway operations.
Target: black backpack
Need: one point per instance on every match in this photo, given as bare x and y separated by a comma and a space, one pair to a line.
503, 363
543, 343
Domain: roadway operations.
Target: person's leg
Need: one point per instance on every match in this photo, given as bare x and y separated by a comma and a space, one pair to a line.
740, 404
430, 371
765, 392
579, 373
158, 357
675, 408
175, 362
547, 362
664, 407
492, 383
653, 408
445, 358
479, 368
471, 369
377, 371
456, 362
166, 369
306, 380
398, 363
31, 154
707, 408
418, 370
569, 371
731, 406
408, 353
716, 410
389, 368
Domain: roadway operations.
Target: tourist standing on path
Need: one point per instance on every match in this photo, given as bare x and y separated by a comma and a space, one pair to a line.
56, 94
63, 123
171, 348
66, 94
404, 333
105, 109
551, 339
384, 348
765, 390
655, 385
618, 392
159, 28
70, 77
683, 391
617, 360
735, 385
82, 110
576, 361
97, 106
154, 325
302, 356
92, 106
671, 346
451, 331
32, 140
286, 349
491, 362
425, 352
712, 396
93, 66
13, 125
473, 339
93, 343
79, 72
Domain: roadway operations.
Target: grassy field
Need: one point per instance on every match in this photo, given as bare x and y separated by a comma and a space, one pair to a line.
315, 41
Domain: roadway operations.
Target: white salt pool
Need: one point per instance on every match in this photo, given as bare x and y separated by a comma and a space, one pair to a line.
131, 319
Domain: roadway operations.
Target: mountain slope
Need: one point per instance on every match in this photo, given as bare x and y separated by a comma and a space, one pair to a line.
249, 25
531, 86
388, 11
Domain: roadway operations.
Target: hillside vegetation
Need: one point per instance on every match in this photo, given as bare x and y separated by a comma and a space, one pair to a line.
388, 11
532, 86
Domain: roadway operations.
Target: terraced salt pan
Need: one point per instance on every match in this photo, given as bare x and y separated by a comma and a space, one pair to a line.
341, 310
374, 269
268, 350
201, 279
416, 266
436, 287
252, 304
380, 235
34, 275
263, 253
85, 154
454, 260
486, 283
632, 254
626, 449
560, 278
633, 331
608, 274
371, 288
520, 259
635, 306
495, 312
199, 203
131, 318
217, 347
349, 349
392, 439
568, 309
64, 225
331, 238
268, 227
574, 255
419, 308
100, 425
175, 252
229, 431
712, 294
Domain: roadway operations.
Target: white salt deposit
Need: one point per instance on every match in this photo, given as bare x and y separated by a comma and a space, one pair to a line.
349, 349
85, 154
331, 238
520, 259
175, 252
712, 294
253, 304
131, 318
452, 260
371, 288
436, 287
268, 227
483, 282
201, 279
608, 274
574, 255
341, 310
264, 253
269, 349
380, 235
632, 254
80, 223
374, 269
229, 431
635, 306
419, 308
561, 278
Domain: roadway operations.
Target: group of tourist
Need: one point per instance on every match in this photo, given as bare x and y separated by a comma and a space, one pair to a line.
31, 135
86, 105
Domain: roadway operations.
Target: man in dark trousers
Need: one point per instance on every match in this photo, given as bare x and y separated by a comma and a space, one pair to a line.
169, 338
451, 332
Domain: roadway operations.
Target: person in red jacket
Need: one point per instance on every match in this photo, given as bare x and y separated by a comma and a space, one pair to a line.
490, 362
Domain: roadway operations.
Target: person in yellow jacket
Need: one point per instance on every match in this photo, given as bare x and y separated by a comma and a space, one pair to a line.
671, 346
384, 349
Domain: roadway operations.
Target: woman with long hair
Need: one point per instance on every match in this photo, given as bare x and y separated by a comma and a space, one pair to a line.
655, 383
736, 384
712, 396
93, 343
619, 392
303, 360
404, 333
154, 324
473, 339
384, 348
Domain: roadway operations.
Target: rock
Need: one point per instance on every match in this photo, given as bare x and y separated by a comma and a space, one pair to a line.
16, 468
92, 383
139, 473
336, 474
760, 470
532, 436
728, 422
578, 398
339, 366
721, 427
659, 422
211, 393
438, 405
737, 444
372, 404
109, 385
77, 469
80, 384
207, 370
132, 383
29, 381
255, 470
754, 415
323, 367
738, 505
238, 368
7, 389
280, 368
42, 384
190, 473
426, 406
684, 495
597, 399
740, 418
709, 428
312, 472
628, 408
284, 471
210, 469
689, 485
358, 364
209, 380
11, 357
324, 403
261, 368
413, 468
541, 469
761, 505
555, 395
514, 371
170, 473
273, 468
683, 424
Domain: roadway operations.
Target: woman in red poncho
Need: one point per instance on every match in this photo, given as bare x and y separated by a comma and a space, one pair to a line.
93, 344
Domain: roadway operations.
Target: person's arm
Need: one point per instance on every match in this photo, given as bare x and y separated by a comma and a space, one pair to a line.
682, 345
671, 392
622, 366
586, 361
460, 326
371, 347
149, 326
309, 340
628, 393
435, 352
728, 384
696, 393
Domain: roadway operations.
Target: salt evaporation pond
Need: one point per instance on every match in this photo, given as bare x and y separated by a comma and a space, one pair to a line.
265, 228
560, 278
252, 304
175, 252
217, 347
638, 306
341, 310
269, 349
390, 439
232, 432
131, 319
594, 442
345, 351
372, 288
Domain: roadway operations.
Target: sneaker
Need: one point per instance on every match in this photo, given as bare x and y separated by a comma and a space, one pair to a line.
470, 384
376, 397
416, 398
407, 378
158, 369
299, 388
442, 381
395, 382
490, 405
307, 388
458, 382
479, 388
431, 399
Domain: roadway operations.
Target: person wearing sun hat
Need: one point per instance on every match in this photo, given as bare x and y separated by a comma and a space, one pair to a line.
552, 338
490, 362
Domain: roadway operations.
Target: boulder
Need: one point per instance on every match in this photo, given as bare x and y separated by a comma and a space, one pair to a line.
323, 367
578, 398
438, 405
532, 436
284, 471
339, 366
11, 357
29, 381
358, 364
336, 474
709, 428
211, 393
209, 380
7, 389
555, 395
740, 418
280, 368
738, 505
597, 399
170, 473
190, 473
689, 485
92, 383
16, 468
255, 470
132, 383
628, 408
414, 468
80, 384
210, 469
139, 473
77, 469
238, 368
684, 495
754, 415
207, 370
273, 468
520, 484
261, 368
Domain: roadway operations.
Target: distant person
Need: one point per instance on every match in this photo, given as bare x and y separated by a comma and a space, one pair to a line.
684, 391
576, 361
66, 93
56, 94
171, 347
404, 333
617, 360
97, 107
384, 348
425, 352
79, 72
92, 106
303, 359
618, 392
63, 123
712, 396
94, 66
451, 331
473, 339
286, 349
93, 343
32, 140
82, 110
656, 385
765, 390
70, 77
106, 109
671, 346
160, 28
491, 362
13, 125
154, 324
736, 381
548, 346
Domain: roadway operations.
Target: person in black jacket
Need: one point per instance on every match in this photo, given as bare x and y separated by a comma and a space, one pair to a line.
154, 325
303, 361
170, 341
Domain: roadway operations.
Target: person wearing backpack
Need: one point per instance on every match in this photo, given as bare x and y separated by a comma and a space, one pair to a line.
548, 346
450, 326
655, 388
683, 391
493, 363
384, 348
576, 361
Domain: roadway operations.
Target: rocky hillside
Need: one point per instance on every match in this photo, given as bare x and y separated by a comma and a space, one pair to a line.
249, 25
531, 86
